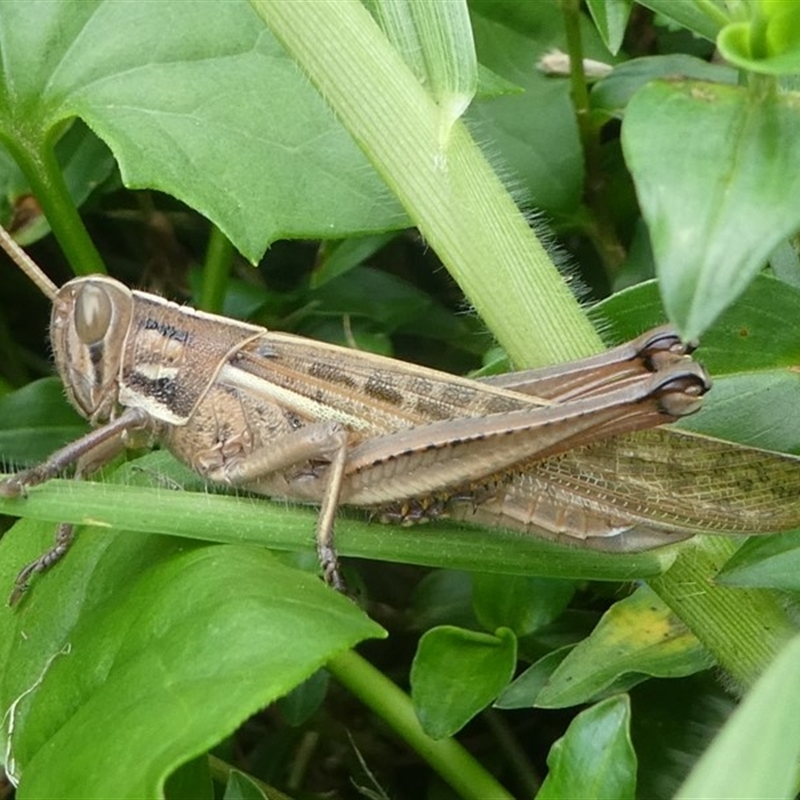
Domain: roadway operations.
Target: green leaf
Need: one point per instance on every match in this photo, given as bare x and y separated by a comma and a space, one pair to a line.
35, 421
595, 757
546, 648
612, 93
769, 562
713, 166
216, 95
758, 410
456, 673
304, 700
611, 19
443, 597
756, 753
525, 688
637, 636
522, 604
340, 257
241, 787
744, 339
135, 633
705, 19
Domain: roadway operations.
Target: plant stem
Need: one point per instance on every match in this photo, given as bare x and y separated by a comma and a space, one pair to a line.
571, 10
743, 628
217, 266
446, 756
599, 225
449, 190
43, 173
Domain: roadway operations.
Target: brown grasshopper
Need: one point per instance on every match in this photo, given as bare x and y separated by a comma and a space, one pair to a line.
288, 417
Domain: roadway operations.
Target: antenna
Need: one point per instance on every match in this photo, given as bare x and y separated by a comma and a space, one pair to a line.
27, 265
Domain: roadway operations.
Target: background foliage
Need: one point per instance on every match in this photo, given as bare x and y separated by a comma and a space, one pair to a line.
171, 144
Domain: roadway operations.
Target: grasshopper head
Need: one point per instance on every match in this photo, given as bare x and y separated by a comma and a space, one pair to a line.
88, 327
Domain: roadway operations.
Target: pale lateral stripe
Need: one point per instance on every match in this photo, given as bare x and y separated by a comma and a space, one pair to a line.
154, 372
286, 397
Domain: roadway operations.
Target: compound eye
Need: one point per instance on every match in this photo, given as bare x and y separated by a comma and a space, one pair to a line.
92, 314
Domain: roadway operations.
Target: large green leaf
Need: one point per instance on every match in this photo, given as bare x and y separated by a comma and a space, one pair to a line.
717, 172
595, 757
149, 650
456, 673
213, 94
637, 636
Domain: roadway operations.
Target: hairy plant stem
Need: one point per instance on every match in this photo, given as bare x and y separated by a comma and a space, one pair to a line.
447, 188
744, 628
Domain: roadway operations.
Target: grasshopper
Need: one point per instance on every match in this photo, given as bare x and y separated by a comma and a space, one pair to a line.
287, 417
